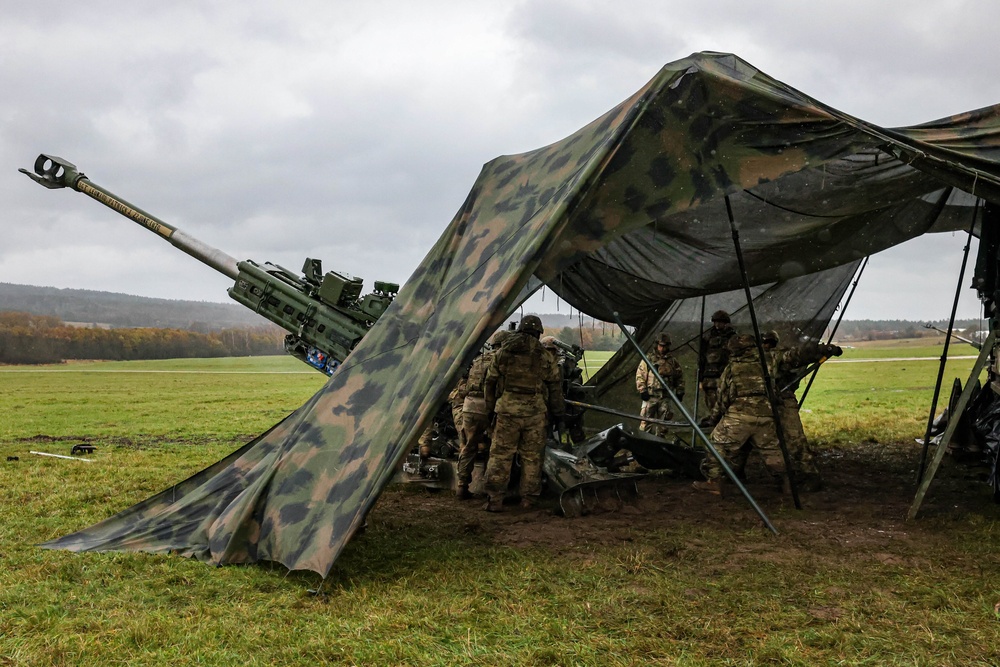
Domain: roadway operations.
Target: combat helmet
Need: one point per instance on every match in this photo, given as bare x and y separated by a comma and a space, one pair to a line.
721, 316
531, 324
497, 339
664, 339
770, 338
741, 343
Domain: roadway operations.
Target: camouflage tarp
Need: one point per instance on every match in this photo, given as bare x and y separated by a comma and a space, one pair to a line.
628, 213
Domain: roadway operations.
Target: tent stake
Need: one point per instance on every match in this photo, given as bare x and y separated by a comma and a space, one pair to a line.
833, 332
772, 394
963, 400
701, 434
944, 354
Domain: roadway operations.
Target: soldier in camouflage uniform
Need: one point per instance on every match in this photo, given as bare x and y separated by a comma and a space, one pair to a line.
713, 356
656, 404
438, 426
475, 413
522, 383
743, 417
572, 383
785, 366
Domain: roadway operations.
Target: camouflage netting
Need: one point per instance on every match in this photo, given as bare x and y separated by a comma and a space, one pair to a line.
626, 214
798, 309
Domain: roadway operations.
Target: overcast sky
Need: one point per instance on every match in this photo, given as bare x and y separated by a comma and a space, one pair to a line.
352, 131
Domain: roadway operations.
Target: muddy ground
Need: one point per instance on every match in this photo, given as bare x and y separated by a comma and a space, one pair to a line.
866, 494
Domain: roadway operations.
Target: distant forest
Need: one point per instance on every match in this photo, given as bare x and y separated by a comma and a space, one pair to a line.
26, 338
49, 324
125, 310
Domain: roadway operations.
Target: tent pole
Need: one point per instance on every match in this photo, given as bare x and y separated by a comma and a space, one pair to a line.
697, 372
963, 400
701, 434
944, 355
833, 332
772, 394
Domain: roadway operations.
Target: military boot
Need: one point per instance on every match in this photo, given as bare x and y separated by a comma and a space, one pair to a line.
713, 486
463, 492
494, 505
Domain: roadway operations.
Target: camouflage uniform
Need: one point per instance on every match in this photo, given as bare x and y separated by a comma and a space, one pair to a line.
475, 414
656, 403
713, 356
522, 381
457, 399
785, 365
743, 414
572, 378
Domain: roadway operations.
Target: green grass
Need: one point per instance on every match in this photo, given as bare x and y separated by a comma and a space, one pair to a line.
428, 586
209, 399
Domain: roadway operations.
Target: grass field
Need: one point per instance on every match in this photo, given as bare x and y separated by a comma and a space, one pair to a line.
681, 579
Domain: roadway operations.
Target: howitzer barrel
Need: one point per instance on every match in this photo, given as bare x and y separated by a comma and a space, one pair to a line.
54, 173
325, 315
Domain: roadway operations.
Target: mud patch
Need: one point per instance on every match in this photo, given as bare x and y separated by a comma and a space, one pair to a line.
862, 507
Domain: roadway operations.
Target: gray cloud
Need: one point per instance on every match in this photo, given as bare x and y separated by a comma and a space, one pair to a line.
353, 131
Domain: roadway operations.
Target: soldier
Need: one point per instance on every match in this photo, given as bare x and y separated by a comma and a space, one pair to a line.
713, 356
785, 367
550, 345
567, 356
522, 378
656, 404
743, 417
475, 414
456, 399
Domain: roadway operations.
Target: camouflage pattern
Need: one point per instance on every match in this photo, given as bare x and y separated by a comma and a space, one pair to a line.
785, 365
659, 405
523, 385
650, 173
524, 437
713, 359
743, 414
475, 416
457, 401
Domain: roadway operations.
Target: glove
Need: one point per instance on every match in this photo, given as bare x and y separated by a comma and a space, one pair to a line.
680, 396
834, 350
706, 422
644, 395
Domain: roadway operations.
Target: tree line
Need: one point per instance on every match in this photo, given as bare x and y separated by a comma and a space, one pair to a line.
43, 339
125, 310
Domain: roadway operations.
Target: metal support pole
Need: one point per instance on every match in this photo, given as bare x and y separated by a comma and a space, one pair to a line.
963, 400
772, 394
697, 374
850, 295
622, 413
944, 355
687, 417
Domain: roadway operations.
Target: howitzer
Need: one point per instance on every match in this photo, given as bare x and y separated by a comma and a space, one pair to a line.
325, 314
954, 335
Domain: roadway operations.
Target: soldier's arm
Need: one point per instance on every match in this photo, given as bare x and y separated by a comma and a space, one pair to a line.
725, 395
554, 395
491, 383
640, 377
